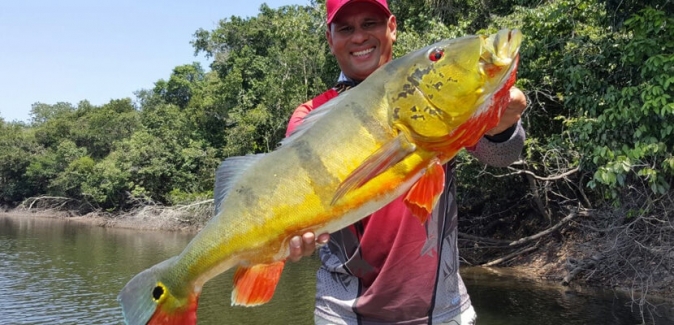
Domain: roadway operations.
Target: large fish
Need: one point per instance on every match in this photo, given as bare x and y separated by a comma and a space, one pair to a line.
385, 138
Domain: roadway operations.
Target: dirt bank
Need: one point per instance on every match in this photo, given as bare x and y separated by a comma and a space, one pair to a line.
572, 260
148, 218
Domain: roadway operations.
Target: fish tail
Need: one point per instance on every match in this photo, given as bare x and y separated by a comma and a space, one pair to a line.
147, 299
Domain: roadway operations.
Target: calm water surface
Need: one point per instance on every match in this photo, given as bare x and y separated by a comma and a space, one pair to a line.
59, 272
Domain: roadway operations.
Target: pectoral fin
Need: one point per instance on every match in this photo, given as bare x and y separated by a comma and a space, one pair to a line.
255, 285
381, 160
424, 194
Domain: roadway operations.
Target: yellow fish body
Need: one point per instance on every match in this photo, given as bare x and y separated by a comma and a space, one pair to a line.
385, 138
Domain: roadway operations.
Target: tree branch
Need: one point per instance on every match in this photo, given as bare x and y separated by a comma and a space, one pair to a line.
510, 256
525, 240
544, 179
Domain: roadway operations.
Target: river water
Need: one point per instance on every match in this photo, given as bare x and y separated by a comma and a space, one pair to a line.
54, 271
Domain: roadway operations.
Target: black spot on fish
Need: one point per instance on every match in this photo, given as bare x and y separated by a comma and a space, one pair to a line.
419, 74
431, 110
396, 113
413, 81
157, 292
304, 151
418, 117
318, 174
361, 113
413, 109
401, 94
407, 90
438, 85
248, 196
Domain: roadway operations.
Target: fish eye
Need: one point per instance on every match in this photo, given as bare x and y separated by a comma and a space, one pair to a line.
436, 54
157, 292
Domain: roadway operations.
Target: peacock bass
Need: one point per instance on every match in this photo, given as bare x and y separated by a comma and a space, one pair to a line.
385, 138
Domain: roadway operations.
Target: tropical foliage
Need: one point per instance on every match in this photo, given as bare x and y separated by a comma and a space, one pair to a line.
599, 76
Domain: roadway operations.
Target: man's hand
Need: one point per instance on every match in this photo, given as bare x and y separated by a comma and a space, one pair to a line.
512, 114
305, 245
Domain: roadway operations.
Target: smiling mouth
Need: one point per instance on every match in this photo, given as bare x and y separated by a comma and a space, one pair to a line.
363, 52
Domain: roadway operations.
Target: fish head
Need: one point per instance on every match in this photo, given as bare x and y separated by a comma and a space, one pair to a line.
447, 84
147, 299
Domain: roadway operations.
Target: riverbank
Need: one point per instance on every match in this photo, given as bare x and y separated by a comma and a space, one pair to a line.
573, 263
154, 218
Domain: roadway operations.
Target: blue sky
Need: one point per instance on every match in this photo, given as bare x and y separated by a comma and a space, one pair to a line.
71, 50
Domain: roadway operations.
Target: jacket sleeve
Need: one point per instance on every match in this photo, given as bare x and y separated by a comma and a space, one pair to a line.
297, 118
301, 111
499, 152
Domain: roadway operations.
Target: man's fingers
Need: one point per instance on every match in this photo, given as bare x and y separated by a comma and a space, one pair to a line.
323, 239
295, 248
305, 245
309, 243
518, 101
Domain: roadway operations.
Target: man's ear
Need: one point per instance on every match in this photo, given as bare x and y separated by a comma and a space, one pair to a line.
392, 24
328, 36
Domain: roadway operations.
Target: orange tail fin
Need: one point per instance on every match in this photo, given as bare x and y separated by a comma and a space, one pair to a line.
255, 285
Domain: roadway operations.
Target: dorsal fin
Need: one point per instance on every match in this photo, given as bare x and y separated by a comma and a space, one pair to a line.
310, 119
228, 173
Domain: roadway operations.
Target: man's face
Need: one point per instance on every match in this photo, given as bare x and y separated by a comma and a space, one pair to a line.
361, 39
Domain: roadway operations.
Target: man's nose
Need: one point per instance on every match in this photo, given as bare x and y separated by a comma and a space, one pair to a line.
359, 36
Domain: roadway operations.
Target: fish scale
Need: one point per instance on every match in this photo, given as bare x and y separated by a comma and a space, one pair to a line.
386, 138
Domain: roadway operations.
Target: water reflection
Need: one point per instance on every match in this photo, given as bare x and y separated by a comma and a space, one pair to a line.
57, 272
54, 271
501, 299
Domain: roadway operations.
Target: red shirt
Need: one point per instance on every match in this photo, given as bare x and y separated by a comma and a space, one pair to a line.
386, 267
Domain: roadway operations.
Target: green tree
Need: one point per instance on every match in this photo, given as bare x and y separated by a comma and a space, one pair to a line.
98, 128
268, 65
93, 127
53, 123
41, 113
630, 122
17, 148
70, 167
184, 82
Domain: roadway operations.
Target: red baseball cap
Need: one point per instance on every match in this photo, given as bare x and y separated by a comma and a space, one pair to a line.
333, 6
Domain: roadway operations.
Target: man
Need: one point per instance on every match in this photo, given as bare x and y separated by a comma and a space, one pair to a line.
374, 272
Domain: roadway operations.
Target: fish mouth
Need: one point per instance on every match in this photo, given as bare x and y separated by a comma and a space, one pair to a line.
501, 48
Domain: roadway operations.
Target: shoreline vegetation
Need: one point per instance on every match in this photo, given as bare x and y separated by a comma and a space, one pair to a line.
155, 217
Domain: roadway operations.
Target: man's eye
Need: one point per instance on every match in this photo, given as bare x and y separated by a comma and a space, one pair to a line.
370, 24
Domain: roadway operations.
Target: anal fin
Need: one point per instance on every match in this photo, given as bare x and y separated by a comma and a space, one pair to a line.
424, 194
255, 285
